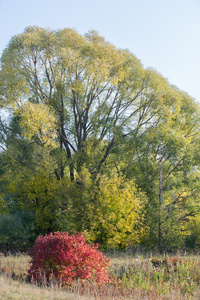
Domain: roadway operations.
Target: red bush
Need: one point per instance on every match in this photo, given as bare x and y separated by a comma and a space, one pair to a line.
67, 258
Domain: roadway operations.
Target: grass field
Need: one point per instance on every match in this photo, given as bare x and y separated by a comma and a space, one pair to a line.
132, 278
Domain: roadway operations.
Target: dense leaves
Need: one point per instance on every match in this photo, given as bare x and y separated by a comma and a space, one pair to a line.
67, 258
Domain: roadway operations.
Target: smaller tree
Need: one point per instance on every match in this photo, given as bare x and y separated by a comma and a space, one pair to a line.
118, 212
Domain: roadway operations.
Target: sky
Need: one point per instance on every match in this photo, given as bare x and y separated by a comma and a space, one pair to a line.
163, 34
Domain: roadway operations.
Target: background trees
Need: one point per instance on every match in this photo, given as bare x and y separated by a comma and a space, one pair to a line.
165, 162
81, 111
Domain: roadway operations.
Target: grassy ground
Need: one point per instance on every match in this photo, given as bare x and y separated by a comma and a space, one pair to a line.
133, 278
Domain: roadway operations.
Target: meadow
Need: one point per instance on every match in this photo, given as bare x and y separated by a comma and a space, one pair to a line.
132, 277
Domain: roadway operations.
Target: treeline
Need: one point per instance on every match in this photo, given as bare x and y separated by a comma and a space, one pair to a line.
92, 142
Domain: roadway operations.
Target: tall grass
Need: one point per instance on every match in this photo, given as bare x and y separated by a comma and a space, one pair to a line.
132, 277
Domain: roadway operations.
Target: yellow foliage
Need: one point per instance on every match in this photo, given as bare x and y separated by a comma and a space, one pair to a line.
119, 211
37, 121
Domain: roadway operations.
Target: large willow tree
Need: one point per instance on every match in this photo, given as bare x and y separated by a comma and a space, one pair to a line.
79, 94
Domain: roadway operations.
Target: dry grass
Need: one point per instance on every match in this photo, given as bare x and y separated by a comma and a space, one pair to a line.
13, 289
13, 285
133, 278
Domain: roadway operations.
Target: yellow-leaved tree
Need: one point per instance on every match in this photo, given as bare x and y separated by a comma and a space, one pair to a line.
113, 212
119, 212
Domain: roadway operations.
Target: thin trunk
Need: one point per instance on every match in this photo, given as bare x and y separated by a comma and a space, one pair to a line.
63, 139
160, 204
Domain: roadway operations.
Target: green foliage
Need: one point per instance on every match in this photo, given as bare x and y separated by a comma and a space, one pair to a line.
192, 240
17, 231
164, 162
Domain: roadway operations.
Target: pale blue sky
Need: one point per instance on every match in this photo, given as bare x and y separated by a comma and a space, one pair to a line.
164, 34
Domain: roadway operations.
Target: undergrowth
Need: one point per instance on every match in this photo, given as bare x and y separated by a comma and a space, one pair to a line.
131, 278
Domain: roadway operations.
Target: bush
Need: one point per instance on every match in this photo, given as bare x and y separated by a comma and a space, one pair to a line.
67, 258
